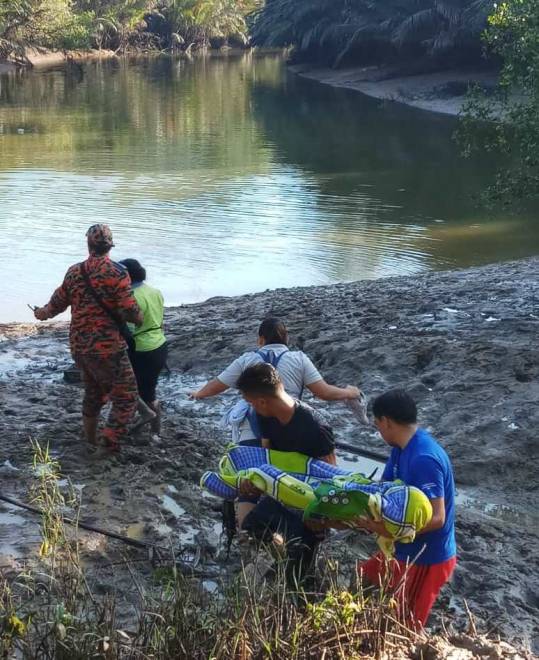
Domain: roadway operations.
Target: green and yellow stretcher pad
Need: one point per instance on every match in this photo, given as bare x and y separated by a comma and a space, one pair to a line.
323, 491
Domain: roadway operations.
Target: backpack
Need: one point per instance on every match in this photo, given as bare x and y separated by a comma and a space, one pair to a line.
269, 357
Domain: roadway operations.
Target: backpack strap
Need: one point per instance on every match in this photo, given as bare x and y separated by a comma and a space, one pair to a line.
269, 357
121, 325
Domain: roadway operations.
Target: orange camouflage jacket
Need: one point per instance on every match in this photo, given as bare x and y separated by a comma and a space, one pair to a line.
92, 330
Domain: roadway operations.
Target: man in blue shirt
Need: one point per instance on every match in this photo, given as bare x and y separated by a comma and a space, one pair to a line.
417, 460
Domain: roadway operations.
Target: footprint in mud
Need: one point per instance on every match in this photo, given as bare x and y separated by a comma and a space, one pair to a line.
532, 598
523, 374
424, 357
430, 380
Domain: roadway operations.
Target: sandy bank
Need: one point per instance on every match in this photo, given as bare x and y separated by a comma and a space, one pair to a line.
463, 342
442, 92
42, 58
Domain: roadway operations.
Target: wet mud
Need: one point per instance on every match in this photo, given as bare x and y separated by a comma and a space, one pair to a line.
464, 343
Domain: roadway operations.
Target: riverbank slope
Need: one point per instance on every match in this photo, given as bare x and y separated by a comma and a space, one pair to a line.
442, 91
464, 343
43, 58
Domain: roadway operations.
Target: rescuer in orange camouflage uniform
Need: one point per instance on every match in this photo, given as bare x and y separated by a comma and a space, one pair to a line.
97, 346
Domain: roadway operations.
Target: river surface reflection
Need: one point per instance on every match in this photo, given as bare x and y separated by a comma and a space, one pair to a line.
227, 175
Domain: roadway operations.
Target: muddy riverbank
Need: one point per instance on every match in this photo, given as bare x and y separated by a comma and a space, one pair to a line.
464, 343
444, 92
43, 58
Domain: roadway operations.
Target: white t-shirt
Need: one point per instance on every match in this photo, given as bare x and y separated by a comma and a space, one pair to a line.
295, 368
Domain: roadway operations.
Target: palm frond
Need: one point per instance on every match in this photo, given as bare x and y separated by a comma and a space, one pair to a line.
337, 30
417, 27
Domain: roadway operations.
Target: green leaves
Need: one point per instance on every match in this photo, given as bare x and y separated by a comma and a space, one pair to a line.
513, 35
72, 24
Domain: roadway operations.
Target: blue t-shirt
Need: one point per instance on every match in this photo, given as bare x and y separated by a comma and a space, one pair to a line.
424, 464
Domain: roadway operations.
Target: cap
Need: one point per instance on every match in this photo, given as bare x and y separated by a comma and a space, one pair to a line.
100, 236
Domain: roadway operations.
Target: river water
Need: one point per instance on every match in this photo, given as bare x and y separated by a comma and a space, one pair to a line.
228, 175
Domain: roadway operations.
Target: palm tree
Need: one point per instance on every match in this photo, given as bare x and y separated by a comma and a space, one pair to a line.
340, 32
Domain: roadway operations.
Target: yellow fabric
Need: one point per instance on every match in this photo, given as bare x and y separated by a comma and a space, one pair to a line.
149, 335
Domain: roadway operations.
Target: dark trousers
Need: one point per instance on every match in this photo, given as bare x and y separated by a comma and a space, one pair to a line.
269, 517
147, 366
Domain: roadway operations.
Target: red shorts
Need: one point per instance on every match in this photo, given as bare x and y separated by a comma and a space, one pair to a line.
414, 586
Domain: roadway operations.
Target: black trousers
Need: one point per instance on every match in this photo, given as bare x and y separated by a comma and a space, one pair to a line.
147, 366
269, 517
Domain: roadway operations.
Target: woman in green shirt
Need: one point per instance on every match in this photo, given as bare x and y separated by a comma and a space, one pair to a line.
150, 354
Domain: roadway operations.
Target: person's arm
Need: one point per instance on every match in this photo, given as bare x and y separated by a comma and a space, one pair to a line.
387, 474
59, 302
438, 516
323, 441
370, 525
328, 392
211, 388
428, 476
227, 378
247, 489
314, 381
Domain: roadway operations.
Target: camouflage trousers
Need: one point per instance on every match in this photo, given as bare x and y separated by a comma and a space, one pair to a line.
109, 378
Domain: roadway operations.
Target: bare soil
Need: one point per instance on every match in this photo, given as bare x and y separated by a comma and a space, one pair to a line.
443, 91
463, 342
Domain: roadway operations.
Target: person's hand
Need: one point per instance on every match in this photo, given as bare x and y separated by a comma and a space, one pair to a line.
353, 391
41, 313
193, 396
370, 525
248, 490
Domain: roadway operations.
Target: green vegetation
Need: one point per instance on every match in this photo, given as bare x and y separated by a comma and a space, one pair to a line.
121, 24
47, 23
507, 122
55, 610
340, 32
72, 603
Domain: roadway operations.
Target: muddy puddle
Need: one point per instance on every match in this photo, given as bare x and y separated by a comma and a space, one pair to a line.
32, 357
18, 533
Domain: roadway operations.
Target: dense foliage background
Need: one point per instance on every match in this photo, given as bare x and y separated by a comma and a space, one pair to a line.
341, 32
512, 34
121, 24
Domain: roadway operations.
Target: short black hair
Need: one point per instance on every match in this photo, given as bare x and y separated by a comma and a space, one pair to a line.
259, 380
398, 405
274, 331
136, 272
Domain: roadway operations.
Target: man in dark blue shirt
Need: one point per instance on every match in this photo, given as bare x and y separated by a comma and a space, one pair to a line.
417, 460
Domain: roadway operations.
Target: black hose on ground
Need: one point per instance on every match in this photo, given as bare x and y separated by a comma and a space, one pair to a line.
185, 567
366, 453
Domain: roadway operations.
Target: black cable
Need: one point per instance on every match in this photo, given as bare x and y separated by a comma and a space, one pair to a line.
98, 530
366, 453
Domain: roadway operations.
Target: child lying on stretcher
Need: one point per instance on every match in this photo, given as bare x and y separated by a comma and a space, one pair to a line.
326, 495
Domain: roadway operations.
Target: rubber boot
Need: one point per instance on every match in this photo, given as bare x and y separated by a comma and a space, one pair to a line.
90, 429
155, 424
146, 414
